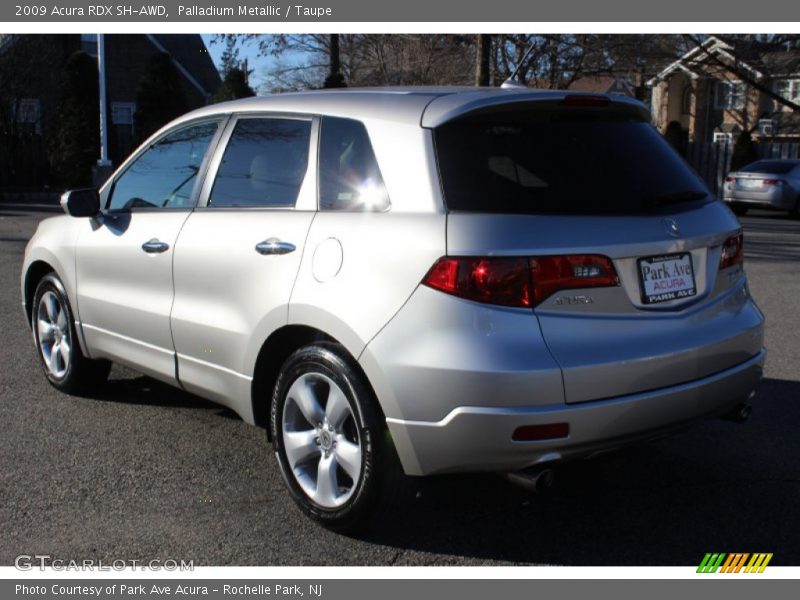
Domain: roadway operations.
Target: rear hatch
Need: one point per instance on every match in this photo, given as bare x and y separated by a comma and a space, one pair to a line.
635, 268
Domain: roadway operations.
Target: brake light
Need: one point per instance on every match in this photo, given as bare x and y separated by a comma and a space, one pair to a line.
504, 281
732, 251
771, 181
518, 281
728, 179
585, 101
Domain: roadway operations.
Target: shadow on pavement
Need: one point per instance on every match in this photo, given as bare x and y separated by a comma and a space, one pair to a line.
718, 487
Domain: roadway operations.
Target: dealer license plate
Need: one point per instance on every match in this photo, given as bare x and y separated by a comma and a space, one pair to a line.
665, 278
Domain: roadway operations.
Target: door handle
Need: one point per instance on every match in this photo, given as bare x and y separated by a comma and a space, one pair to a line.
274, 246
154, 246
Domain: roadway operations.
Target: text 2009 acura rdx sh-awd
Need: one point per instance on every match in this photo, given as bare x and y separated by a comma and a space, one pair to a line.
465, 280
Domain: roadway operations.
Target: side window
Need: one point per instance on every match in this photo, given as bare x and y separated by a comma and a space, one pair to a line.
165, 174
264, 164
349, 177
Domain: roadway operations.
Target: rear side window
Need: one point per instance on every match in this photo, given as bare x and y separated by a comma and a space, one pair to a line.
573, 161
774, 167
264, 164
349, 177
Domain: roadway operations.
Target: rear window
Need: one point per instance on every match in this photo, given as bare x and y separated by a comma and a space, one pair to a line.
561, 162
774, 167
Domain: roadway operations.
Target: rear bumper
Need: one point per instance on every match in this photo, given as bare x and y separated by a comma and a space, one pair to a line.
479, 438
772, 200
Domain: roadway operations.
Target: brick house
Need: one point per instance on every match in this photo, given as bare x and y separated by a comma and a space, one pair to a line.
704, 96
30, 71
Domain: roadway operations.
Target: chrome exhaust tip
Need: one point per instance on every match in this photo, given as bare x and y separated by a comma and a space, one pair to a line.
535, 480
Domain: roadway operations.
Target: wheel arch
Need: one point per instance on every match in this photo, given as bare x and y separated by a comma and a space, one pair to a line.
281, 344
33, 275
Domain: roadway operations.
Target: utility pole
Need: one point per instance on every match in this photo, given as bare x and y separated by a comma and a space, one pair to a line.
104, 163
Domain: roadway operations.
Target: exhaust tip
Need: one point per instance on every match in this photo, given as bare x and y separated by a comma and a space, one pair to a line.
740, 414
535, 480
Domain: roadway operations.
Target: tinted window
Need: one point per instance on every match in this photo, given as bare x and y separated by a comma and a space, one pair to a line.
775, 167
165, 174
349, 175
560, 162
264, 164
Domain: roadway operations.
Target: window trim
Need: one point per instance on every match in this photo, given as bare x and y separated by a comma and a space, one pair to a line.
794, 83
730, 83
107, 189
309, 181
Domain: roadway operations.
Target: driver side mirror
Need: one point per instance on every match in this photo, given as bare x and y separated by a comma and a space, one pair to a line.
81, 203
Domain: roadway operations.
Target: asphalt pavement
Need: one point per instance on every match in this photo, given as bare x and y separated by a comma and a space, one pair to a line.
143, 471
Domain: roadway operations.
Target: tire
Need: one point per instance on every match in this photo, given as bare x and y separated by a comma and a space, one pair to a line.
56, 339
326, 421
739, 210
795, 213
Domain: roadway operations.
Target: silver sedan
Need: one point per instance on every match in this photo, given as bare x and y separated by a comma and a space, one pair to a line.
769, 184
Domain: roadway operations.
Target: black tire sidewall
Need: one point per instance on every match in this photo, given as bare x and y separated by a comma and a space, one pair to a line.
330, 361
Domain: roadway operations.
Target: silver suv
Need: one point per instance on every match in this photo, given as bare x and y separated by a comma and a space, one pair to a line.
463, 280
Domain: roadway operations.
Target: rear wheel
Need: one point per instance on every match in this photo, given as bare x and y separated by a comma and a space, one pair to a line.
795, 213
328, 436
64, 365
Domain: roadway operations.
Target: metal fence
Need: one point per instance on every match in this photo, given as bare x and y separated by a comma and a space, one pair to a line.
713, 160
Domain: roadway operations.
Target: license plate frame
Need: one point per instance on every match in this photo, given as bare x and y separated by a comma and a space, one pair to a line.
671, 290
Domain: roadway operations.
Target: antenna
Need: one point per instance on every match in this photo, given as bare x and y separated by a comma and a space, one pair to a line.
511, 82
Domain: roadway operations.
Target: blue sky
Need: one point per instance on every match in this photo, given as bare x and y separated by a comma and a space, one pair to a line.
248, 51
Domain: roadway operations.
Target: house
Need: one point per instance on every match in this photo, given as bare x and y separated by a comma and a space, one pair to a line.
30, 70
718, 89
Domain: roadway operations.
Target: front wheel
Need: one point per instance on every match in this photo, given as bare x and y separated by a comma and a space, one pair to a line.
328, 436
64, 365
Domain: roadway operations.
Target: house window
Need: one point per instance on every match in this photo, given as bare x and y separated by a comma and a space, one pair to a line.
29, 116
686, 100
789, 89
122, 113
89, 43
722, 138
729, 95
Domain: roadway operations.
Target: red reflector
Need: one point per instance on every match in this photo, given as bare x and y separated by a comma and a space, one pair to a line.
732, 251
588, 101
554, 273
504, 281
530, 433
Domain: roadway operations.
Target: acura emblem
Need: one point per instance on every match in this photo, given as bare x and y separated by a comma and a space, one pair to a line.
672, 228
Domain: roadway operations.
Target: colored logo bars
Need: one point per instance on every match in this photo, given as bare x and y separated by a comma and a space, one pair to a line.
734, 563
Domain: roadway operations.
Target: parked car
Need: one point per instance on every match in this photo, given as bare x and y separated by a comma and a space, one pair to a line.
772, 184
448, 280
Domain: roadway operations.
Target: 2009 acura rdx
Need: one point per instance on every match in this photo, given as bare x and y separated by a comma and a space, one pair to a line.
474, 279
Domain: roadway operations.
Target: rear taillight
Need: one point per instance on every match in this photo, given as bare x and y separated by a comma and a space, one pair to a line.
504, 281
554, 273
728, 179
732, 251
771, 181
516, 281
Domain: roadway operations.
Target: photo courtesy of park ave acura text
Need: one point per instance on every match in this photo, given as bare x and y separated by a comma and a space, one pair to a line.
399, 299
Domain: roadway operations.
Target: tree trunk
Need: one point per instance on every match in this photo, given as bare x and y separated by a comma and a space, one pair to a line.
335, 79
484, 49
